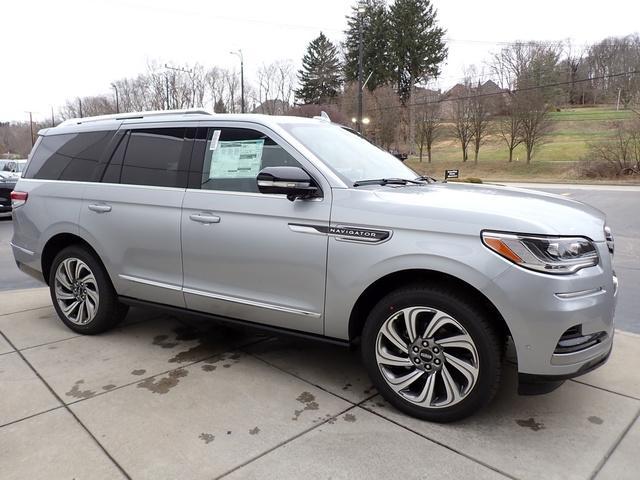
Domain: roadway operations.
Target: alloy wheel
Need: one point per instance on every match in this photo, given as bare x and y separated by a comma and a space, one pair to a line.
76, 291
427, 357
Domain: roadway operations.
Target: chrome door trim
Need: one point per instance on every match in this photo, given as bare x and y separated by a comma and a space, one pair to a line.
251, 303
217, 296
152, 283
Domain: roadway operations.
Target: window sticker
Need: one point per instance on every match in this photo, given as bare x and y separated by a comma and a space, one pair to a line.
236, 159
214, 140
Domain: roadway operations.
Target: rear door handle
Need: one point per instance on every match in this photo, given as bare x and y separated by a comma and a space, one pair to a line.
204, 218
100, 208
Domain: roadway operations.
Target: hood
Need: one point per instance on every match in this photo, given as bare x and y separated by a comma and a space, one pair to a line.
459, 207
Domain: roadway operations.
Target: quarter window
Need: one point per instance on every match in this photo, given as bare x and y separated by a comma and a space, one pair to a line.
156, 156
234, 156
71, 156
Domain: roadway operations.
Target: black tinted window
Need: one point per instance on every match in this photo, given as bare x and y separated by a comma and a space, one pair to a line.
112, 172
156, 156
72, 156
234, 156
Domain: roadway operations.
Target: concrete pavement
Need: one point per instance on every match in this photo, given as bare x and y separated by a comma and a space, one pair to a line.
173, 397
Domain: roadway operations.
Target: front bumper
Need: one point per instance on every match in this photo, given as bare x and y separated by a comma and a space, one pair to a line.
539, 309
529, 384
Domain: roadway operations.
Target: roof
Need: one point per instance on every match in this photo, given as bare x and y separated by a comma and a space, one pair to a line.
109, 122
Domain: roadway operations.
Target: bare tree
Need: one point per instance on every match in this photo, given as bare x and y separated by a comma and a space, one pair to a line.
428, 128
534, 113
510, 127
462, 117
480, 113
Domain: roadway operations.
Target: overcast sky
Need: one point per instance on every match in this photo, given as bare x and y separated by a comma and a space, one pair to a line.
56, 50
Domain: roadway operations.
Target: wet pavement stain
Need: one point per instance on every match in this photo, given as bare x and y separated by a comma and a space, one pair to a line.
349, 417
347, 386
369, 389
106, 388
75, 391
207, 437
52, 347
596, 420
164, 384
208, 368
138, 372
531, 423
162, 341
228, 432
254, 431
309, 402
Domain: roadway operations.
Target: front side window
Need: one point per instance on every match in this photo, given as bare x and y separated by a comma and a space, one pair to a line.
350, 156
234, 156
70, 156
155, 157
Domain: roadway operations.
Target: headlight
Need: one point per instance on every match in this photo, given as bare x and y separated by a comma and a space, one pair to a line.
557, 255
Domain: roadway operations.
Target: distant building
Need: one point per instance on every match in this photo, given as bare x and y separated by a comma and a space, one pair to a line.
272, 107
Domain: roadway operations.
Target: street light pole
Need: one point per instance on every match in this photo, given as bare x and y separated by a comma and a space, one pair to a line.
117, 99
239, 55
360, 59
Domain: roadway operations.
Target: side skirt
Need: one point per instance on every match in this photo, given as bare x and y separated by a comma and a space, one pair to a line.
234, 321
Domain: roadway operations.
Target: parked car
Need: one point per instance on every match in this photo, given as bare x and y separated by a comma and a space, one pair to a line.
399, 155
14, 167
297, 225
7, 184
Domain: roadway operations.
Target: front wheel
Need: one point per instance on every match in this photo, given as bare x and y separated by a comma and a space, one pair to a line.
82, 293
431, 353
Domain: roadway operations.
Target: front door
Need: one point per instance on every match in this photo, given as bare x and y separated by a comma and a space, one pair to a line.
243, 255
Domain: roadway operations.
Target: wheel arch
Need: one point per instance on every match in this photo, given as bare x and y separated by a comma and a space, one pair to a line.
392, 281
60, 241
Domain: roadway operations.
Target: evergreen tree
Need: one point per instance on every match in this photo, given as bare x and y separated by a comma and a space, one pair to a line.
320, 76
220, 107
417, 44
376, 39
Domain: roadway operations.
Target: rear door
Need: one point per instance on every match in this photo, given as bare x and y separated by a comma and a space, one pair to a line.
132, 216
244, 253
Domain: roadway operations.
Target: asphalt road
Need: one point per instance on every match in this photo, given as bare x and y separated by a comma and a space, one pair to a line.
621, 204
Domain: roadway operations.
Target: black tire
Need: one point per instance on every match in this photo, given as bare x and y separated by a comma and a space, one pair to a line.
478, 326
109, 311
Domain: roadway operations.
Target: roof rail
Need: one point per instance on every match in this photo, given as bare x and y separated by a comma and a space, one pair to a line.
131, 115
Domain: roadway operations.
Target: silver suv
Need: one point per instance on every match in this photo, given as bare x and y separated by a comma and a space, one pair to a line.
300, 226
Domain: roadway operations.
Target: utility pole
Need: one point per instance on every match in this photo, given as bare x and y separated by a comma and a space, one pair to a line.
239, 55
53, 121
31, 126
166, 81
361, 11
80, 106
115, 87
190, 73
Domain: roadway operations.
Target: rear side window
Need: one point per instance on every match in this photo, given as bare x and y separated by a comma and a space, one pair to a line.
72, 156
156, 156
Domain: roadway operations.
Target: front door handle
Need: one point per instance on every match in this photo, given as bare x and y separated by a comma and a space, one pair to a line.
204, 218
100, 208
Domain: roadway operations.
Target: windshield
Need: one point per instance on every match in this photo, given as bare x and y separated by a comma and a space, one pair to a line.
347, 154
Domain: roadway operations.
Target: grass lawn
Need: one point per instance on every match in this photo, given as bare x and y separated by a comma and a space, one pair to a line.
557, 159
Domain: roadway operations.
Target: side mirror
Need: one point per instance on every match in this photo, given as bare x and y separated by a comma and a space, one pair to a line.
293, 182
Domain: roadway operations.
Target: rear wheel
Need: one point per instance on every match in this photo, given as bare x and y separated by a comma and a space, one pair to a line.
431, 353
82, 293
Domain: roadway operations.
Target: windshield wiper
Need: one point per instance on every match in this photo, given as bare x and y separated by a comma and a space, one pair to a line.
387, 181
